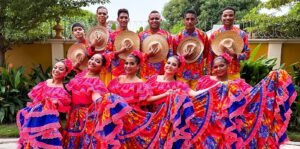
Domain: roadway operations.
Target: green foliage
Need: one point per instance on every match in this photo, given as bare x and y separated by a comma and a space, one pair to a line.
114, 26
173, 11
208, 10
140, 30
86, 18
270, 26
23, 20
255, 70
295, 119
13, 92
277, 3
38, 74
177, 28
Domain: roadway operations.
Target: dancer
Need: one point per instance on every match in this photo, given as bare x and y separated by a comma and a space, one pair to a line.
91, 109
235, 114
39, 122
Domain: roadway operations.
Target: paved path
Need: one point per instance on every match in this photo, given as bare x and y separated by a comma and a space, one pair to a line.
11, 143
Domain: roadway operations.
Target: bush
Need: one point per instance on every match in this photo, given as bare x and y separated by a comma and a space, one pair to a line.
14, 87
255, 70
295, 119
38, 74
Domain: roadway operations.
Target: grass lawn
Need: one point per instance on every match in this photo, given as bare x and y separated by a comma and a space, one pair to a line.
294, 136
12, 131
9, 131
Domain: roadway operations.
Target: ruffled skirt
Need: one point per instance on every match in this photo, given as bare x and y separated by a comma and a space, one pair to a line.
39, 126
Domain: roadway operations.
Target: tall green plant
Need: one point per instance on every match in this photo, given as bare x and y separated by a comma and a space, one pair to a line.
38, 74
13, 92
255, 70
295, 119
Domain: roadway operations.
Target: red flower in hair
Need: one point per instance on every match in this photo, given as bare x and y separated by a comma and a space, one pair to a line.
227, 57
139, 55
68, 64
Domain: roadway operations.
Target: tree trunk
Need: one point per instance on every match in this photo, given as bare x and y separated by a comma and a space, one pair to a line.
2, 57
4, 45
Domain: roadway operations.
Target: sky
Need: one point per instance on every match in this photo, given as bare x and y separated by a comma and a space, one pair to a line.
138, 10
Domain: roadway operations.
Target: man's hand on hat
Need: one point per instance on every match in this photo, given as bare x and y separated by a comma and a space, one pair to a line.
230, 52
126, 45
188, 51
97, 39
153, 50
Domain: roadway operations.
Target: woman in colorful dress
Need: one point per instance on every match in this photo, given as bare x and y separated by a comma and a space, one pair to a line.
135, 92
91, 109
39, 121
235, 114
171, 100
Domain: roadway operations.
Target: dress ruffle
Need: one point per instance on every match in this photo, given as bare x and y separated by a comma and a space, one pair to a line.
235, 115
39, 121
133, 93
161, 87
96, 126
82, 85
214, 124
58, 94
266, 125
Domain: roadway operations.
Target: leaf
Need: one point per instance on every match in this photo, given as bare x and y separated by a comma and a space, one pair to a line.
14, 91
254, 52
17, 79
12, 109
6, 105
2, 89
2, 114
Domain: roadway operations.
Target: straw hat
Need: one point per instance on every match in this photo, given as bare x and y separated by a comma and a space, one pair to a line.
228, 39
76, 52
159, 42
191, 42
127, 37
98, 31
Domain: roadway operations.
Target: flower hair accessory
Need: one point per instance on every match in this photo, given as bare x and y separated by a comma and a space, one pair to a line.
139, 55
227, 57
182, 63
68, 64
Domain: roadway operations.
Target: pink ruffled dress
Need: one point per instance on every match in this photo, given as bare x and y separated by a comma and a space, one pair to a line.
135, 121
38, 122
93, 124
236, 115
170, 127
215, 112
82, 88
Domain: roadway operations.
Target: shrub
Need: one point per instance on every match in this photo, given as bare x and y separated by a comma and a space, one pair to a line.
14, 87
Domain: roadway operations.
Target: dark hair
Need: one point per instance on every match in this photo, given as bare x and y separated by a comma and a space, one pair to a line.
153, 11
192, 11
177, 58
137, 59
123, 10
63, 61
103, 58
77, 25
101, 7
227, 8
221, 58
